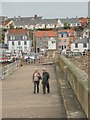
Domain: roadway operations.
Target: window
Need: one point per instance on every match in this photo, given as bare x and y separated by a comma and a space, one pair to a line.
85, 37
13, 37
64, 40
59, 41
76, 45
25, 43
64, 46
9, 37
19, 43
62, 35
25, 48
53, 41
59, 35
24, 37
86, 33
12, 42
84, 45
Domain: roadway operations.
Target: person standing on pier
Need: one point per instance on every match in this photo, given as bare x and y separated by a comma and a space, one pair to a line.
36, 80
45, 81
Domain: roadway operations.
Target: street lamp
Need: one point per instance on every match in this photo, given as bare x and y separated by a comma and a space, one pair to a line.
45, 41
34, 41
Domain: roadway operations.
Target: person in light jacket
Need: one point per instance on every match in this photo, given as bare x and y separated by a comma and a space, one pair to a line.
36, 80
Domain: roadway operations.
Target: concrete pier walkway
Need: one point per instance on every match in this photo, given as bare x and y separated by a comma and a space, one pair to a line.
18, 100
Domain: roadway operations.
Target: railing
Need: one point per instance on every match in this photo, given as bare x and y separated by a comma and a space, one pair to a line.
8, 69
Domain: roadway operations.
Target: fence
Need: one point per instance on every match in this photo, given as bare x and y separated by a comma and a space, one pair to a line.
8, 69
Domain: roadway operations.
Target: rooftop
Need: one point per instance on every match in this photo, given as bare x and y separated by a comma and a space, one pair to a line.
46, 33
17, 31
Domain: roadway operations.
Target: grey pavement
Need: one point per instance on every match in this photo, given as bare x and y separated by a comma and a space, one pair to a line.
18, 100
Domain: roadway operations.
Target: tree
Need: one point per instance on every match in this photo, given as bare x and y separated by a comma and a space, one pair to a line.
66, 25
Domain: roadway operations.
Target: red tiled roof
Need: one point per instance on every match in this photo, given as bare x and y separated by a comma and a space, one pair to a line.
45, 33
17, 31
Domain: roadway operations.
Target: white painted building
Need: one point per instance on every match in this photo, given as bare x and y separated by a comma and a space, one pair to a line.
18, 41
80, 45
52, 44
85, 33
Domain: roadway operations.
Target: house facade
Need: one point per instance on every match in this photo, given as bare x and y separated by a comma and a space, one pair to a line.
73, 22
6, 24
80, 45
65, 38
18, 41
42, 40
85, 33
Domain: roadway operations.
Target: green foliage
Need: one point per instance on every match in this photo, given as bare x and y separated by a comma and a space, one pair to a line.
66, 26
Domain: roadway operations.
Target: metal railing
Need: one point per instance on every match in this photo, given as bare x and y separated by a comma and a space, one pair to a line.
8, 69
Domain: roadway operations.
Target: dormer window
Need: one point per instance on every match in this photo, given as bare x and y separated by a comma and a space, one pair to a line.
24, 37
11, 37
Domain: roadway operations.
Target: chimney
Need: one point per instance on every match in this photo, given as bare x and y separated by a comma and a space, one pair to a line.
35, 16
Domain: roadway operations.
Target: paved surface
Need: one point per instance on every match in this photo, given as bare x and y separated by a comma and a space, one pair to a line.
20, 102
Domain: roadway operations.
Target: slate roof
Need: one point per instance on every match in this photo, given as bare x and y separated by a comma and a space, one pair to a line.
83, 40
2, 18
17, 31
22, 21
18, 22
70, 20
48, 21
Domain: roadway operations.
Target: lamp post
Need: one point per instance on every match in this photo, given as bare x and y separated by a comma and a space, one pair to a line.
34, 40
45, 41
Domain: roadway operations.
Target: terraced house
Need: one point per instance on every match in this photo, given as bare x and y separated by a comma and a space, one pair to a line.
44, 40
65, 38
73, 22
18, 41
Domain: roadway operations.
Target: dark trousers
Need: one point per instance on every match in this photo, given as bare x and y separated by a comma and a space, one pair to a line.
46, 86
36, 86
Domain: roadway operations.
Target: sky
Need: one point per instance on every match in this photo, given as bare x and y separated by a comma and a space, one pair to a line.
45, 9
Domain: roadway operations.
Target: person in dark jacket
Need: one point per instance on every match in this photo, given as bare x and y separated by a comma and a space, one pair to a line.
36, 80
45, 81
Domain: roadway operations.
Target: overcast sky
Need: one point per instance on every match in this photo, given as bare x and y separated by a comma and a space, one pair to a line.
45, 9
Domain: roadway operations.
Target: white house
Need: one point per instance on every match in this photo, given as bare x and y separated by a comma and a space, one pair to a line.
85, 33
73, 22
80, 45
18, 41
52, 44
